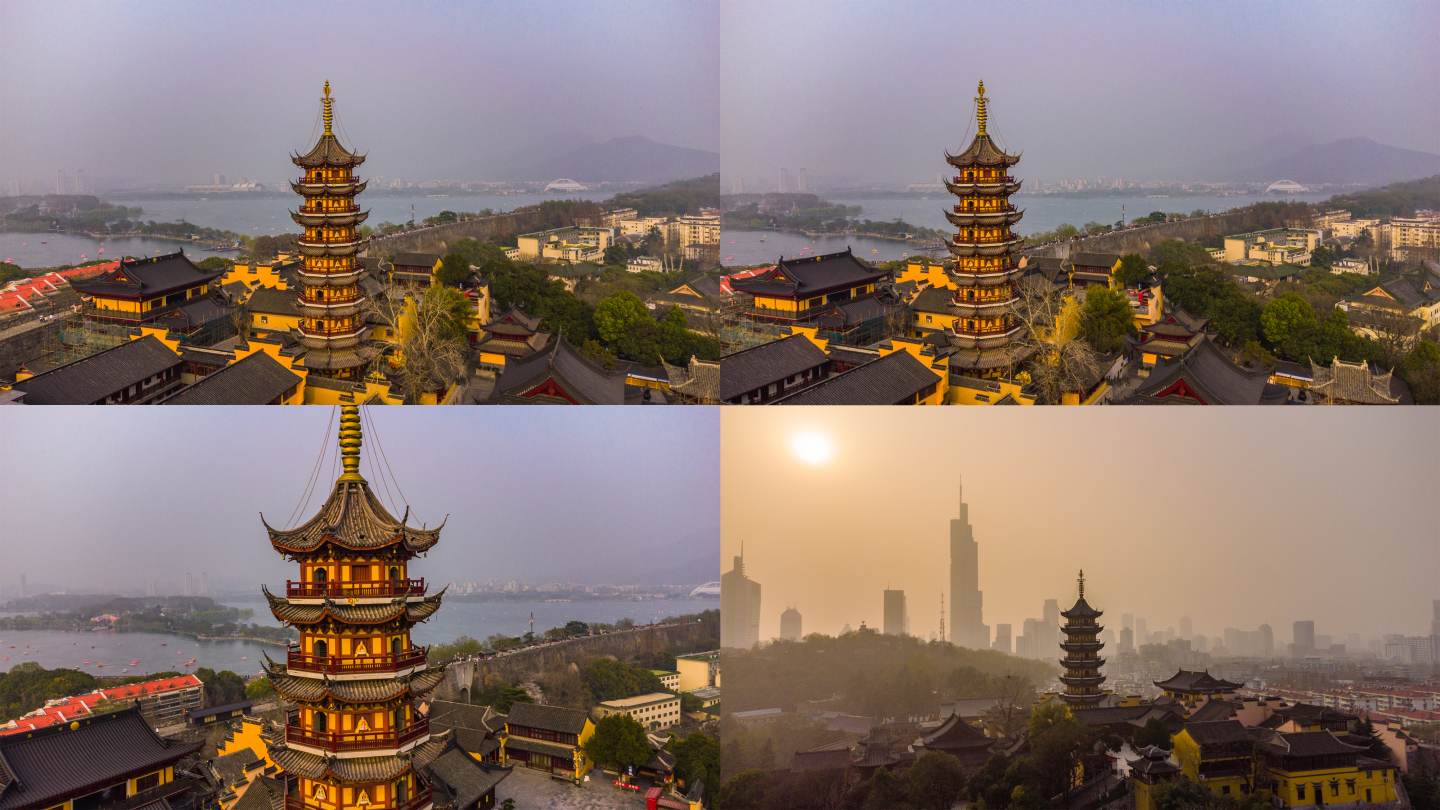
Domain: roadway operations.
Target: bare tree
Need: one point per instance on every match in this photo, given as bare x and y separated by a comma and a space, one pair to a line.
1060, 361
1395, 331
1013, 703
430, 330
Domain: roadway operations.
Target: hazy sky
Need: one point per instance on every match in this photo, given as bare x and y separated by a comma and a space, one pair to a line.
876, 91
1233, 516
125, 495
177, 91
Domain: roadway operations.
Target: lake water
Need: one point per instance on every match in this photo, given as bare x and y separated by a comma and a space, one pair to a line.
162, 652
252, 217
740, 248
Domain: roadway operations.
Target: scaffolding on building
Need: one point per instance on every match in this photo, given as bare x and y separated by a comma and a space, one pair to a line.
83, 333
744, 326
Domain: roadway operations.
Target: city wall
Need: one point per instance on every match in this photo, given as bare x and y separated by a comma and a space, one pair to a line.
23, 342
1140, 240
439, 238
471, 676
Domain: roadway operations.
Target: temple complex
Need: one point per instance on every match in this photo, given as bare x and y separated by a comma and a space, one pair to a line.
986, 273
1082, 660
332, 303
355, 738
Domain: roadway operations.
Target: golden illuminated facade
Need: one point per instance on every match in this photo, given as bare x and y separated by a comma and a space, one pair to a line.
355, 739
985, 271
332, 304
1082, 662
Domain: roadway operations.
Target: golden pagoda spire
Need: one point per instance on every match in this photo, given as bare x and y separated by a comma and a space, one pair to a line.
350, 442
330, 114
1082, 583
979, 100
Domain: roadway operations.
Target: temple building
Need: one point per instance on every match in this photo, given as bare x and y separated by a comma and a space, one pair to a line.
331, 305
167, 290
985, 271
510, 336
1194, 686
355, 737
1082, 662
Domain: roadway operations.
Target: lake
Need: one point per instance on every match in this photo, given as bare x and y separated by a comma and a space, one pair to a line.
247, 216
1041, 214
158, 652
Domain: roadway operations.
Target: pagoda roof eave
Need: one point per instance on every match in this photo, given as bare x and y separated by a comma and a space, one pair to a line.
358, 770
368, 690
367, 614
354, 519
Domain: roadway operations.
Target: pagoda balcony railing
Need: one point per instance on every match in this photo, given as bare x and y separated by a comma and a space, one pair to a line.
421, 798
983, 240
336, 741
350, 664
360, 590
984, 181
328, 181
330, 302
339, 331
330, 240
349, 209
1004, 209
988, 330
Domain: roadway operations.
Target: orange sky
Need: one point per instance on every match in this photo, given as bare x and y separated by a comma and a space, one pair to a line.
1234, 516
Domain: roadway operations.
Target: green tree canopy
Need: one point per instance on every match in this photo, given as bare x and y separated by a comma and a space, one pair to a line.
454, 269
1133, 269
1154, 732
1106, 319
619, 741
609, 679
935, 781
615, 316
697, 757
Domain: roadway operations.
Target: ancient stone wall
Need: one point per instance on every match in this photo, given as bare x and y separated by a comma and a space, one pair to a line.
1140, 240
437, 239
24, 342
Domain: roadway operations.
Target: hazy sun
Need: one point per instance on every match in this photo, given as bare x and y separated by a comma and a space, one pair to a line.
812, 448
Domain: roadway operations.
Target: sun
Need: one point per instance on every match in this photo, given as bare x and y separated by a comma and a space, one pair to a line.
812, 448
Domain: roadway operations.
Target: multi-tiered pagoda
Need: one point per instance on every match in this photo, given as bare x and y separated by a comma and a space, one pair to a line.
332, 304
985, 270
1082, 660
355, 739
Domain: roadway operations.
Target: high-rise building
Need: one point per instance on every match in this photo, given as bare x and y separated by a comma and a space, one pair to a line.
739, 608
896, 621
800, 183
79, 181
150, 588
61, 182
1266, 646
332, 301
985, 273
1002, 638
790, 625
1435, 621
1141, 636
967, 625
1127, 639
355, 678
1083, 680
189, 584
784, 180
1127, 620
1186, 629
737, 186
1027, 646
1305, 635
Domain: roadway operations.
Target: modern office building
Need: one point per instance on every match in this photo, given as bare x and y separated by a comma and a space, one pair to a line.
790, 625
897, 622
967, 625
739, 608
1002, 638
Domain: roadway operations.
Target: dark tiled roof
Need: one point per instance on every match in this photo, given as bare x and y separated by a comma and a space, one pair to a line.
810, 276
885, 381
1219, 732
933, 299
1188, 681
1081, 610
372, 690
984, 152
228, 707
42, 768
328, 151
767, 363
588, 383
360, 769
257, 380
265, 793
147, 277
1090, 260
353, 518
1311, 713
353, 614
1153, 767
1356, 383
273, 301
955, 733
467, 779
1212, 376
1214, 710
93, 378
1309, 744
425, 260
234, 768
553, 718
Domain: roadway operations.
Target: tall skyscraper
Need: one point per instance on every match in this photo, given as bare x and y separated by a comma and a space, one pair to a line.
1185, 627
79, 181
1267, 641
1127, 620
784, 180
1002, 638
967, 624
1127, 639
800, 183
896, 621
739, 608
189, 584
1305, 635
790, 625
1141, 636
1050, 629
61, 181
150, 588
737, 186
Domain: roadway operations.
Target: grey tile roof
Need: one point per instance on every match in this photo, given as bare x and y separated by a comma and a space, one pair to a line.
96, 377
933, 299
767, 363
1213, 377
257, 380
425, 260
811, 275
273, 301
1219, 732
885, 381
147, 277
466, 779
1089, 260
554, 718
353, 518
42, 768
588, 383
265, 793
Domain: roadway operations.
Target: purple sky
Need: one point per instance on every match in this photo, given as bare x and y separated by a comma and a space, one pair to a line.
178, 91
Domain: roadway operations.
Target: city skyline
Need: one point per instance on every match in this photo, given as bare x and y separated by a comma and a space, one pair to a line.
883, 525
534, 494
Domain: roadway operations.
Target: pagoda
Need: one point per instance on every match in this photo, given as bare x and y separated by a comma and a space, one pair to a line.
353, 736
985, 272
1082, 660
331, 304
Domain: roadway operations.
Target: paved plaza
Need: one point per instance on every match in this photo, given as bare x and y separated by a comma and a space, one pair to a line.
535, 790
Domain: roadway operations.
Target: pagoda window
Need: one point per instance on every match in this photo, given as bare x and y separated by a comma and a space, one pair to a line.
320, 648
969, 175
358, 573
970, 204
394, 572
319, 722
970, 326
402, 793
321, 574
397, 646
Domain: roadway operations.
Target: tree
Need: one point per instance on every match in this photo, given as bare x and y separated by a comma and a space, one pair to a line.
1421, 371
1284, 319
1322, 257
259, 690
432, 328
619, 741
1060, 364
884, 790
1363, 727
697, 757
674, 336
1106, 319
747, 790
616, 255
1154, 732
615, 315
935, 781
1182, 794
454, 269
221, 688
609, 679
1132, 270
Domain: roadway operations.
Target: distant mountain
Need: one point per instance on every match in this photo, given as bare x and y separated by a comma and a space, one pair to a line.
1222, 164
1352, 160
620, 160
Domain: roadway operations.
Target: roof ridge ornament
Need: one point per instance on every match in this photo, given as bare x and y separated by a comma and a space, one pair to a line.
979, 114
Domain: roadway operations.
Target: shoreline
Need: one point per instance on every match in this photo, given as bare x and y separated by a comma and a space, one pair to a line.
837, 234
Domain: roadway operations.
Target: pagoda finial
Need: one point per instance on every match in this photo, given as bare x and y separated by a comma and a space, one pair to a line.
330, 113
1082, 583
980, 113
350, 442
